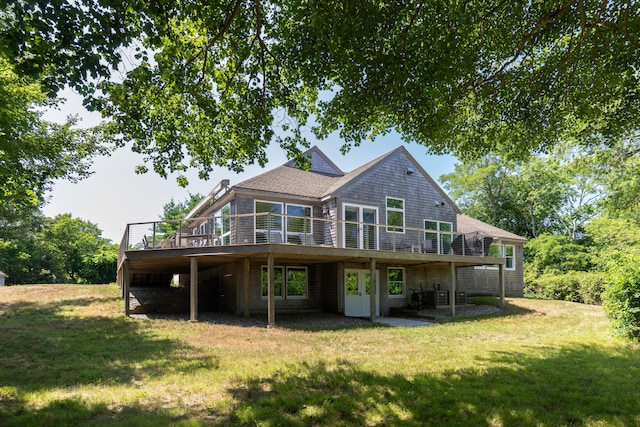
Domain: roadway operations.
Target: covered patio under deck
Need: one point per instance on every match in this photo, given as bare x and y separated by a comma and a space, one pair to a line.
192, 261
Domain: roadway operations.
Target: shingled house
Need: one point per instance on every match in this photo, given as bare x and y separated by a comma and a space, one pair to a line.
358, 243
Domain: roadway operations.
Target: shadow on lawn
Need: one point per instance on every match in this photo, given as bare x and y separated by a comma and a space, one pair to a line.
577, 385
42, 348
572, 386
73, 412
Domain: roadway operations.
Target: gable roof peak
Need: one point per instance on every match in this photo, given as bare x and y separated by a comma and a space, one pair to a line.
320, 163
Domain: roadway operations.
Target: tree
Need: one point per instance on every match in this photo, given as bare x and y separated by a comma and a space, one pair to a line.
56, 250
34, 153
542, 194
617, 168
212, 83
176, 211
79, 250
551, 253
100, 266
22, 256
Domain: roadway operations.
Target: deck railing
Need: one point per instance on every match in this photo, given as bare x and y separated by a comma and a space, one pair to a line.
262, 228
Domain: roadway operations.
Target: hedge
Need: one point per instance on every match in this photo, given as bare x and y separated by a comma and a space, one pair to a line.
621, 299
576, 286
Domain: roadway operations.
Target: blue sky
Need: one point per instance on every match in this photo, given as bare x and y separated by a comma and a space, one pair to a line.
114, 195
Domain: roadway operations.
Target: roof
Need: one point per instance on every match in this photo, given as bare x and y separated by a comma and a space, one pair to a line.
467, 224
323, 179
289, 180
5, 275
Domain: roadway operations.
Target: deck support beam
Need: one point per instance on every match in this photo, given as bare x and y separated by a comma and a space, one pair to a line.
271, 304
193, 300
126, 285
452, 297
372, 290
245, 286
501, 283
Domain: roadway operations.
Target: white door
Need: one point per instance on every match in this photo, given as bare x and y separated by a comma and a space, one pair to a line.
357, 293
359, 227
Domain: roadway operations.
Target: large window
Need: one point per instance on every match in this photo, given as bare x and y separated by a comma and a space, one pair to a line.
222, 225
277, 281
298, 223
438, 237
291, 286
395, 215
395, 281
297, 226
296, 285
268, 222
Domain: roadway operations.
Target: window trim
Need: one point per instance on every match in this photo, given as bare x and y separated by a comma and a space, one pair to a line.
224, 238
266, 232
404, 282
306, 282
503, 254
283, 216
400, 229
262, 283
284, 286
507, 258
440, 234
286, 231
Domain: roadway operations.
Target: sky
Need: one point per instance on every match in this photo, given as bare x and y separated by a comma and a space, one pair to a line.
114, 195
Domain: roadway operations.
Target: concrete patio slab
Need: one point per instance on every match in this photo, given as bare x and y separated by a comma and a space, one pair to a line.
399, 321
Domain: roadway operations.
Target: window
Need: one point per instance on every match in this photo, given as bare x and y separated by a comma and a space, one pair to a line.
395, 281
395, 215
268, 227
439, 236
222, 225
296, 284
291, 286
508, 252
277, 281
510, 258
298, 222
272, 229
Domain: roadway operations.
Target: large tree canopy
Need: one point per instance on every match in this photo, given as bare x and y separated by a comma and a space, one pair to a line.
33, 152
206, 83
553, 193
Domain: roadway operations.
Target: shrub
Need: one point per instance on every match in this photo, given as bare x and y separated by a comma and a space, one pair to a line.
549, 253
621, 299
576, 286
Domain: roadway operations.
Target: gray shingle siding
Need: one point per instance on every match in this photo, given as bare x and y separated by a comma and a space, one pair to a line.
485, 281
389, 179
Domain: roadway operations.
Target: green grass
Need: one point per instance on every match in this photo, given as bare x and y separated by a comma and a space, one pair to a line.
69, 357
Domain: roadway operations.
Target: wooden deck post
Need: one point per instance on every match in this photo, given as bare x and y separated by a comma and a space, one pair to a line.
372, 290
452, 296
194, 290
126, 285
271, 304
501, 283
245, 286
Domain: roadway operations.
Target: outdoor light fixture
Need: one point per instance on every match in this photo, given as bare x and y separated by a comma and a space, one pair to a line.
410, 170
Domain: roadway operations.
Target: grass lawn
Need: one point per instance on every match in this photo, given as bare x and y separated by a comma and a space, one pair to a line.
68, 356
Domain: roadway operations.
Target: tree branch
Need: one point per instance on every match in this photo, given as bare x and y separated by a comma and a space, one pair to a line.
542, 24
225, 27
